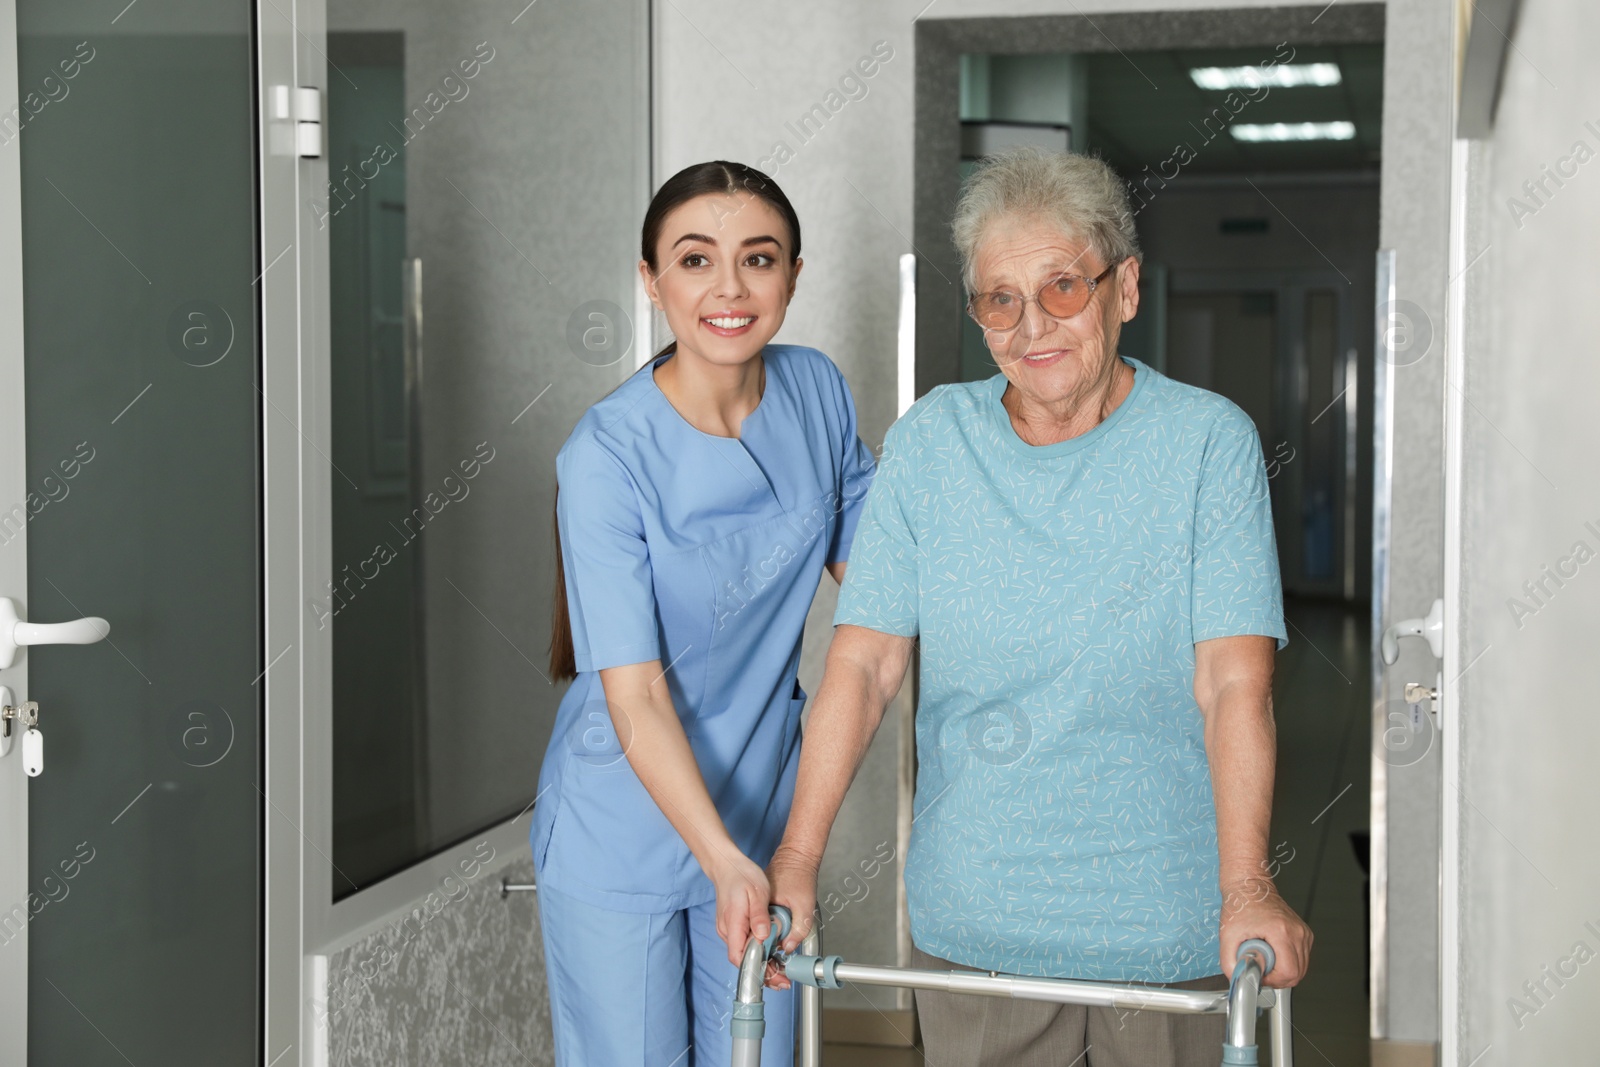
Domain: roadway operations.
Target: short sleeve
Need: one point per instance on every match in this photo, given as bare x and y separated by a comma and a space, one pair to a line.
856, 466
610, 596
1237, 588
882, 588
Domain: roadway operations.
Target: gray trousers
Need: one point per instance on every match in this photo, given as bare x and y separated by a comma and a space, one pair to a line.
960, 1030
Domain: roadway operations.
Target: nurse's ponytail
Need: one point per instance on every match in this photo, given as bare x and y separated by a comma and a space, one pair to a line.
563, 660
716, 177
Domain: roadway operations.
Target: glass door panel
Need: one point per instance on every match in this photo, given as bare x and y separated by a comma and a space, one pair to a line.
488, 172
139, 255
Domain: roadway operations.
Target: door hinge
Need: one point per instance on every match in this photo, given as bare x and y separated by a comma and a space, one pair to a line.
299, 109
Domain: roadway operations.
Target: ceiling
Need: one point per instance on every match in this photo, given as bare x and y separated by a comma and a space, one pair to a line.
1143, 105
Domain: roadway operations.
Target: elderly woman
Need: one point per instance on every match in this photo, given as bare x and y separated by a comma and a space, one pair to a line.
1085, 549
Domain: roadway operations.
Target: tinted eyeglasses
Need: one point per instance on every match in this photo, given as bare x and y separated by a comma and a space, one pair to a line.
1061, 298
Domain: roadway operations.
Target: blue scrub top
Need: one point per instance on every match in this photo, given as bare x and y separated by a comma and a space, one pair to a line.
702, 552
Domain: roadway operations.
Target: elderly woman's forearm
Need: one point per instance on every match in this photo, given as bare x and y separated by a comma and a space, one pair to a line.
1241, 746
1233, 687
863, 674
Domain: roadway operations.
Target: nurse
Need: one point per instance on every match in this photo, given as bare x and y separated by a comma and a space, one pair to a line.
697, 506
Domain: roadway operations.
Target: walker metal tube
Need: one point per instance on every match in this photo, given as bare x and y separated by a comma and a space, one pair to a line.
1242, 994
1055, 990
1241, 1003
809, 1053
1255, 958
1280, 1027
748, 1024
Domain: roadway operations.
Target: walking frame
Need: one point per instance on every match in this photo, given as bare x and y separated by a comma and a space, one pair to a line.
813, 972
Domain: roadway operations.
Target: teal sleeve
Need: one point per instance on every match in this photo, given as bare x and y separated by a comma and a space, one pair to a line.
1237, 589
882, 588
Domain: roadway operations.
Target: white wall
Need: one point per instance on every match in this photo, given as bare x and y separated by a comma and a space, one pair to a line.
1530, 735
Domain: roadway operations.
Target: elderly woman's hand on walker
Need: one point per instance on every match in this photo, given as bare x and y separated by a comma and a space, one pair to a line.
1233, 688
1254, 908
793, 876
863, 673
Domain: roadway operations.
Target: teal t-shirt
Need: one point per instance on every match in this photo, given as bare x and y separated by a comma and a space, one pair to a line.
1063, 821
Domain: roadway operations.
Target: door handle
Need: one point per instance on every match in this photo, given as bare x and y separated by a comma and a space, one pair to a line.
1430, 628
16, 634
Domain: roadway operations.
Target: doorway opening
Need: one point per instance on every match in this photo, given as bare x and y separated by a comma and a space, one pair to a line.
1249, 141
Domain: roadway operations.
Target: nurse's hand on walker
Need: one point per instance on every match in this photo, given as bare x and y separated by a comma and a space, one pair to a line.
742, 896
652, 738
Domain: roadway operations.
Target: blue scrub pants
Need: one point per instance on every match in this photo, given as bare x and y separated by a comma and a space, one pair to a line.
647, 990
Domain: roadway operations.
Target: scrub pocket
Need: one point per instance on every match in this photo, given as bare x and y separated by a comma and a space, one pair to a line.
611, 835
545, 812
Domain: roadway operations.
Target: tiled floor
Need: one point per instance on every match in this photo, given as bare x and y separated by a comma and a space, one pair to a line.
1324, 742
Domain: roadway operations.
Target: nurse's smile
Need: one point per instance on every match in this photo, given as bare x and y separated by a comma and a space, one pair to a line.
729, 323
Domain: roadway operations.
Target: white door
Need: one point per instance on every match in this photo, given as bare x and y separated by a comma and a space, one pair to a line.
130, 871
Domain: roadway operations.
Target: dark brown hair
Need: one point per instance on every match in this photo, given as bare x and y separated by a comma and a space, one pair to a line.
701, 179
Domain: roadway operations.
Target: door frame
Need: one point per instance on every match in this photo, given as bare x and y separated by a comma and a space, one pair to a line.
284, 466
1453, 664
1419, 79
13, 565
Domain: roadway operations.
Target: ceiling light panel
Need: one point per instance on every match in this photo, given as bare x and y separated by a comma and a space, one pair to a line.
1294, 131
1284, 76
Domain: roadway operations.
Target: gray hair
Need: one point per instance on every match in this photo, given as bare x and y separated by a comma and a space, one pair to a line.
1079, 194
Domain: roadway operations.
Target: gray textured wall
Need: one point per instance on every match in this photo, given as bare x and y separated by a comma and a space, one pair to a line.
1529, 734
448, 982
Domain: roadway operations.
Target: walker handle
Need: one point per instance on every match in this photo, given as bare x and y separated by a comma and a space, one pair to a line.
1256, 944
782, 922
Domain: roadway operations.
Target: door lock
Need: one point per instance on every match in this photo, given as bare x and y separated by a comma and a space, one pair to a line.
32, 740
1416, 695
